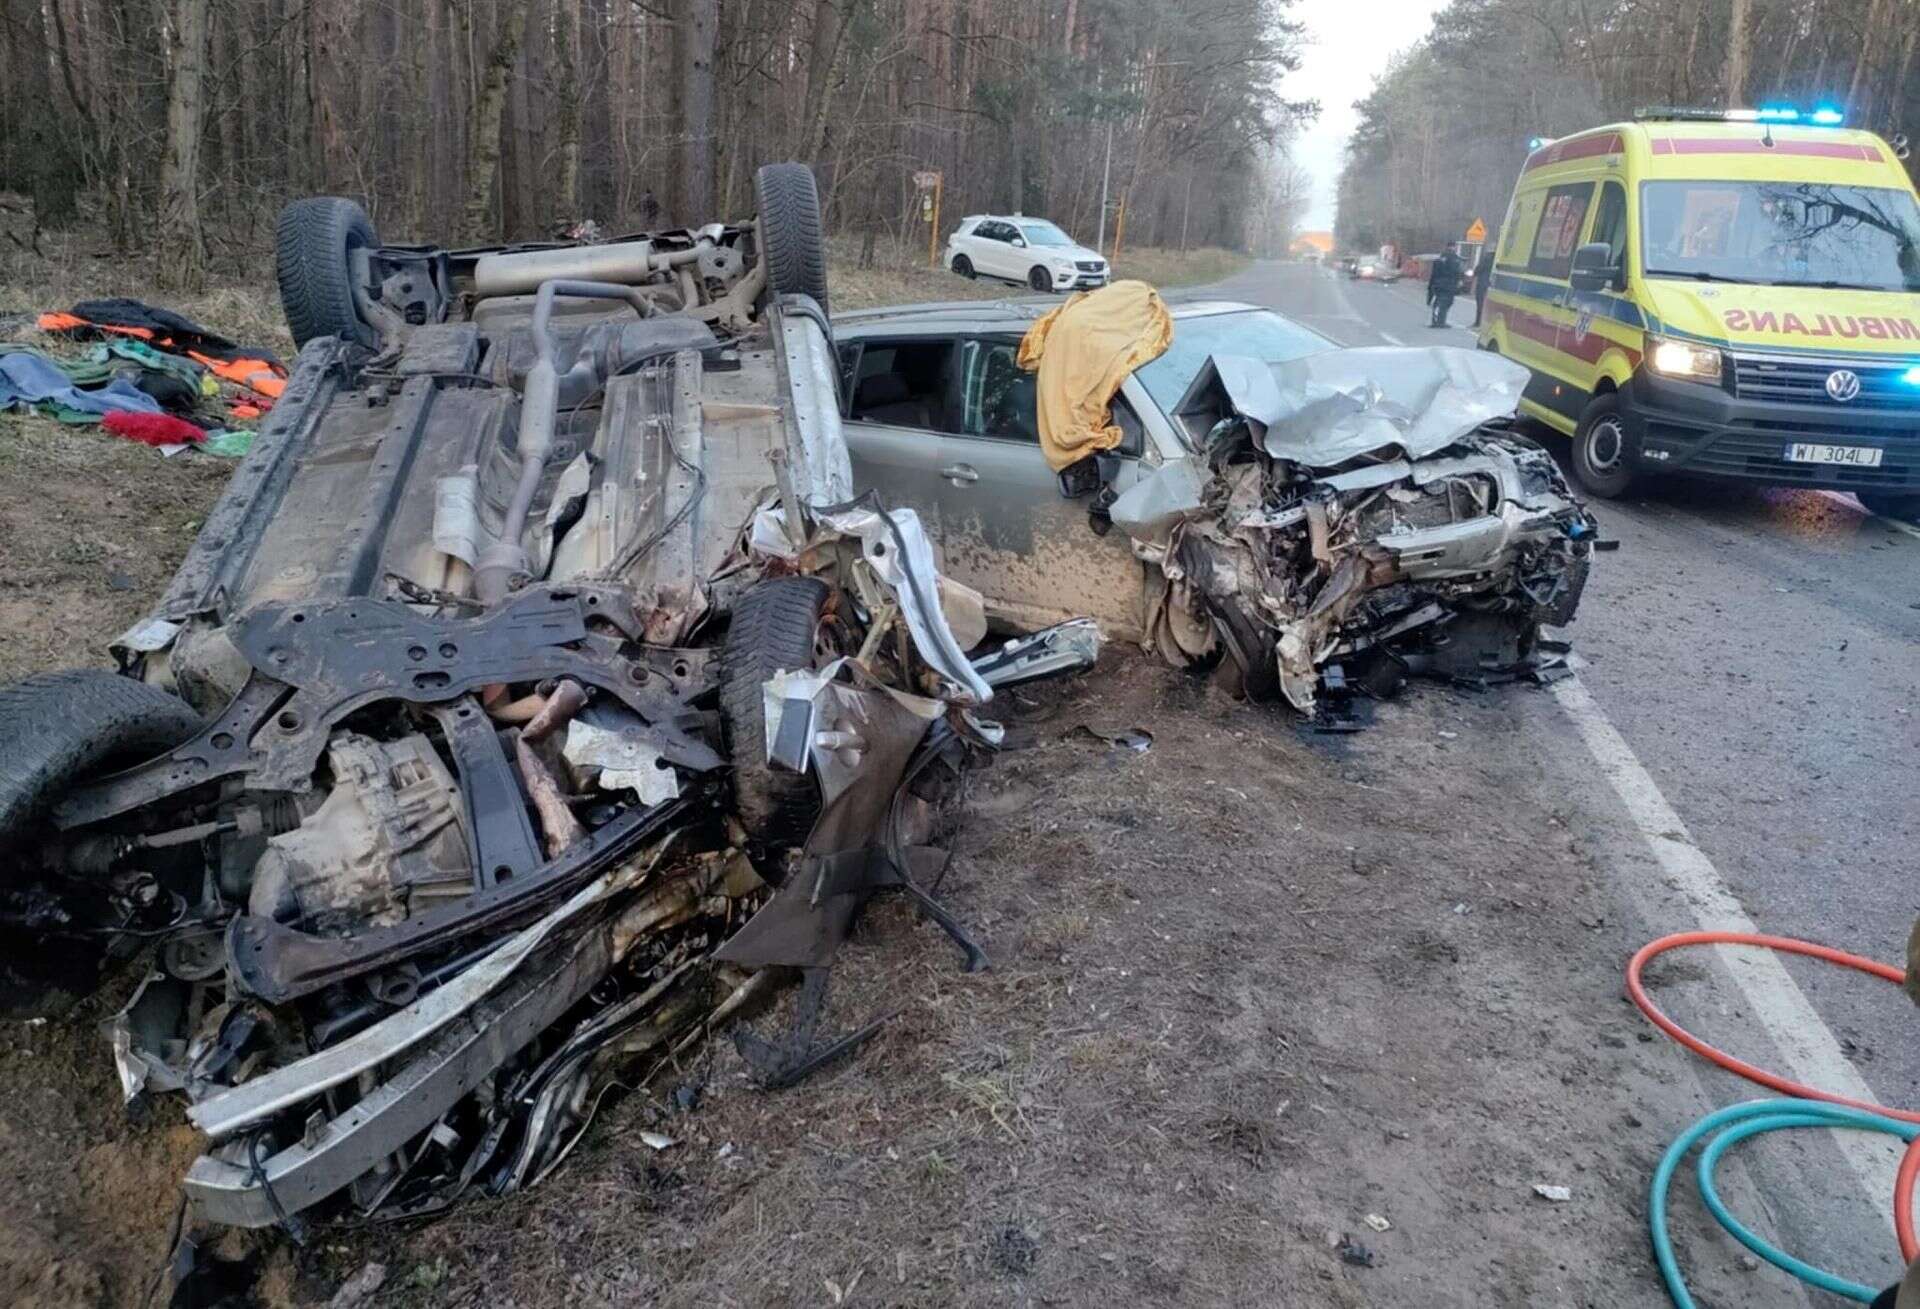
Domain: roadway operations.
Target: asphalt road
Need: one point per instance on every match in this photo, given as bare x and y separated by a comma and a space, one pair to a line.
1758, 651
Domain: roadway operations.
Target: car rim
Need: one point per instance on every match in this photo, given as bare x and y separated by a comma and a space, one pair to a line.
1037, 279
1604, 441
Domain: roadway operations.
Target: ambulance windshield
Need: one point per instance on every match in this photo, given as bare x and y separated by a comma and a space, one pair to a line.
1782, 234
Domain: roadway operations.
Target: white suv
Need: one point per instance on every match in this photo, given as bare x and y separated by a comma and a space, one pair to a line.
1029, 250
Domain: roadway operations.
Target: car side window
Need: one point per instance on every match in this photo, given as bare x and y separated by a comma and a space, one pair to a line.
903, 384
1562, 219
989, 232
849, 352
999, 399
1133, 432
1610, 222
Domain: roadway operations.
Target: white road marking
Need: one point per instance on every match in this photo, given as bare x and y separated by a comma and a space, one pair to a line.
1390, 338
1812, 1054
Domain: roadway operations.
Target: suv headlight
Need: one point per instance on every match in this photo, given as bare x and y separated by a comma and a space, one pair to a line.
1683, 359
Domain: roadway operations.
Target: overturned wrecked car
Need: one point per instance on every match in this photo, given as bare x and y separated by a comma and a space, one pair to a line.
538, 690
1317, 521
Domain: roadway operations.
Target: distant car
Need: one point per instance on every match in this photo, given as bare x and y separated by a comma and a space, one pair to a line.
1029, 250
1373, 270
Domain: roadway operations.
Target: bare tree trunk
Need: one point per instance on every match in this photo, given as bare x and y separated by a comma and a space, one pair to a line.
829, 27
699, 38
184, 262
1871, 41
1737, 53
483, 156
566, 201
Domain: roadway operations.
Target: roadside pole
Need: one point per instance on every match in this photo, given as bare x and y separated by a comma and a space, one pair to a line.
931, 184
1100, 241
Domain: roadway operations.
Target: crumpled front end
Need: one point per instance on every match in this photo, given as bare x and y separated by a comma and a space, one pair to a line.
1354, 518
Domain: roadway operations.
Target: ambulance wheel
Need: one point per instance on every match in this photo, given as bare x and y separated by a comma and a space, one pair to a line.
1890, 504
1600, 450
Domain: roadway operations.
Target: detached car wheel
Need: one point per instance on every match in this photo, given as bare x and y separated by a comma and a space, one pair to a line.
1890, 504
963, 266
1040, 279
791, 243
314, 243
775, 626
68, 726
1600, 450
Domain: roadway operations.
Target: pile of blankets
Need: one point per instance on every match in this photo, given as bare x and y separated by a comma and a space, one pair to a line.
149, 374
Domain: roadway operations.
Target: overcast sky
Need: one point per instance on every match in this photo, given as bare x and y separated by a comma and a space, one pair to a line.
1350, 42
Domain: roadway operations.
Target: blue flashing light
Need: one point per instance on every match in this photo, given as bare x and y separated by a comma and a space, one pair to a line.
1911, 377
1536, 142
1827, 116
1778, 114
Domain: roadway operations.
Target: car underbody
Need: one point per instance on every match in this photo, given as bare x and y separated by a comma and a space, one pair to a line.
537, 695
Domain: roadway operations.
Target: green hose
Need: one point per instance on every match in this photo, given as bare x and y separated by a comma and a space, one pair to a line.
1742, 1121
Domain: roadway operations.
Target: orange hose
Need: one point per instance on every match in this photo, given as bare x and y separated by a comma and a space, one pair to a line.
1903, 1185
1903, 1202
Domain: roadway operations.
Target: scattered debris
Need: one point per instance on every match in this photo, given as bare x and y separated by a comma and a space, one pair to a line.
1557, 1194
1352, 1252
657, 1141
1377, 1223
357, 1290
1137, 739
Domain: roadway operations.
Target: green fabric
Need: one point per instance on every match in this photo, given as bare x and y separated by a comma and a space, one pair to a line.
228, 445
126, 347
86, 372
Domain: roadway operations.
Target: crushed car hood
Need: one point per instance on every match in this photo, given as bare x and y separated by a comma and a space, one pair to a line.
1325, 409
1353, 517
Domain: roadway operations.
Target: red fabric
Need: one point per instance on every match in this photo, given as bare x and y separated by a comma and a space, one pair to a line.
152, 429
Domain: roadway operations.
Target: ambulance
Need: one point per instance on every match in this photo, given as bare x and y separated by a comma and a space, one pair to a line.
1729, 294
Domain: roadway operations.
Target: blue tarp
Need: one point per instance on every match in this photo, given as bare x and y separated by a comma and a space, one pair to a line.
28, 379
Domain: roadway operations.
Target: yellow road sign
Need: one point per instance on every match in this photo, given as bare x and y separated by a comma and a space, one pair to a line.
1477, 232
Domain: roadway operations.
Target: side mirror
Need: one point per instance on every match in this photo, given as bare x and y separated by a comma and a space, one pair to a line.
1593, 268
1080, 479
1020, 241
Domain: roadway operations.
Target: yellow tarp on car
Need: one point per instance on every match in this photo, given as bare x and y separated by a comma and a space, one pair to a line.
1083, 351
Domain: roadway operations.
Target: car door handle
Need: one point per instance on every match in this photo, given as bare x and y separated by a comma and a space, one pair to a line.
959, 474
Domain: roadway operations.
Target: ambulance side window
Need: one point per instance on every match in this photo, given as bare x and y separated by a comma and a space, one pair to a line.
1562, 219
1516, 234
1610, 222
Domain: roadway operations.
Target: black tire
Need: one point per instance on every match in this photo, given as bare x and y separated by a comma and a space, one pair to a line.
963, 266
1890, 504
775, 626
791, 243
1600, 450
65, 727
312, 244
1040, 280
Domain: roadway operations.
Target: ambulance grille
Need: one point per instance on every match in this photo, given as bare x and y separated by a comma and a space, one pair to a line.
1804, 382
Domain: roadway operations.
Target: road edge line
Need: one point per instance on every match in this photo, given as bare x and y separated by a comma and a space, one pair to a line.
1809, 1047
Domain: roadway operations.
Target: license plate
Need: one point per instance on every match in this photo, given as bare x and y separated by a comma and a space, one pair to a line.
1856, 456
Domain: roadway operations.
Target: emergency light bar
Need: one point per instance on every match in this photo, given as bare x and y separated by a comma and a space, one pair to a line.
1822, 116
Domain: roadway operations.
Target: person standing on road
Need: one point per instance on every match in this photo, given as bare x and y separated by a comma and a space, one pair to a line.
1482, 274
1442, 285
